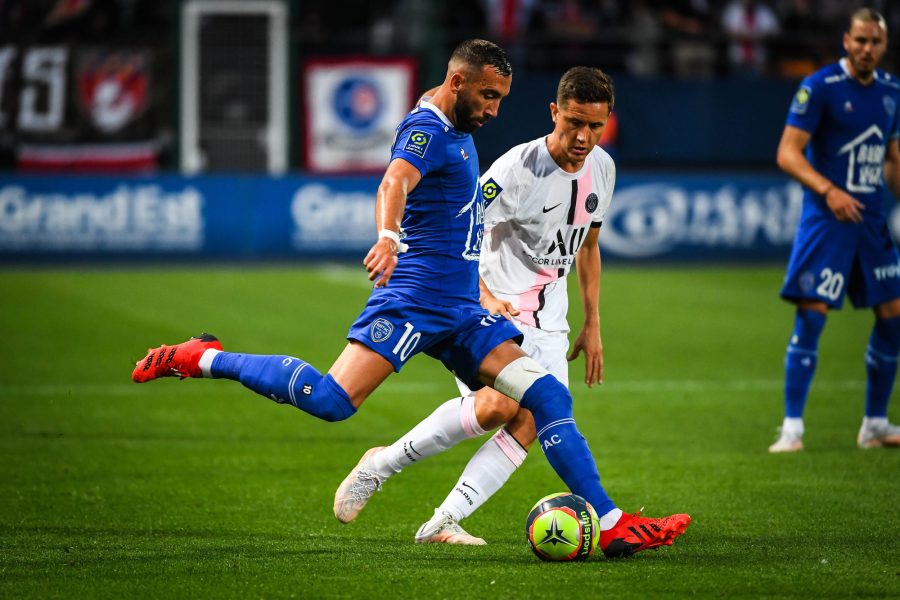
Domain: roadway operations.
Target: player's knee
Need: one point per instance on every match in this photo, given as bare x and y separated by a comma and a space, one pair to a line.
518, 376
333, 414
494, 408
331, 403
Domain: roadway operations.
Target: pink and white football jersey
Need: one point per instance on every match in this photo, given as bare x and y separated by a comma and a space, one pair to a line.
536, 220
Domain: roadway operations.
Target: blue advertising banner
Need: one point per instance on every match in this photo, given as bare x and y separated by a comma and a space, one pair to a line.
178, 217
689, 217
652, 217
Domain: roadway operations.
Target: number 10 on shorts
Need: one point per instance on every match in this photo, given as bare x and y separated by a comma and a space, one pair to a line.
407, 342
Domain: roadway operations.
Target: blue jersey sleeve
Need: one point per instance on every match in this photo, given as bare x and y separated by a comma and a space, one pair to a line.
806, 108
895, 126
421, 144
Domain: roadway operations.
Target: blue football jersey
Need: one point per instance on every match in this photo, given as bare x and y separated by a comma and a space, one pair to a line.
444, 218
851, 125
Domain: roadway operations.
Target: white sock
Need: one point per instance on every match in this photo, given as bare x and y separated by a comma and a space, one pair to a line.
792, 425
485, 473
609, 520
206, 361
452, 422
875, 422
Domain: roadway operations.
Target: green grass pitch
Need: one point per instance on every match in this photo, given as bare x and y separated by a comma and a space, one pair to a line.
202, 489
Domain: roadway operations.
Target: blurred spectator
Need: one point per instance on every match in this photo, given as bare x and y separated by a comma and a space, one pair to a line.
464, 19
688, 25
748, 24
507, 19
807, 41
644, 31
562, 33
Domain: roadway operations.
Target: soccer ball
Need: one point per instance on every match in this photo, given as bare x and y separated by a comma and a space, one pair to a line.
562, 527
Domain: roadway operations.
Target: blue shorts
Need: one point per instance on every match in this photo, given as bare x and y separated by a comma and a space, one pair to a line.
831, 258
398, 327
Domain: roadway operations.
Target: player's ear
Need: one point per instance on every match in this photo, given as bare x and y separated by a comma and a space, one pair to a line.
554, 111
457, 80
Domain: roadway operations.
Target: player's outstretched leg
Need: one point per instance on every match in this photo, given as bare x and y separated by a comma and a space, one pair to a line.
634, 533
284, 379
443, 528
181, 360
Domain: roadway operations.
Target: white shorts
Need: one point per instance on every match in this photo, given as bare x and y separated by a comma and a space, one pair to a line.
548, 348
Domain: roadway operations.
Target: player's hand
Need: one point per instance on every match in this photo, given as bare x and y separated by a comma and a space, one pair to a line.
496, 306
381, 261
844, 206
589, 342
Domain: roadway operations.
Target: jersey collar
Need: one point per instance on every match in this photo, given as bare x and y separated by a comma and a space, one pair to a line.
437, 111
845, 67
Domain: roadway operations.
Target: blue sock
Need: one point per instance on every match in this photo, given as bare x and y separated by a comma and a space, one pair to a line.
565, 448
881, 365
286, 380
800, 360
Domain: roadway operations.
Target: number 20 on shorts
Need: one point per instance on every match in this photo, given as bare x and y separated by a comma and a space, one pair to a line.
832, 284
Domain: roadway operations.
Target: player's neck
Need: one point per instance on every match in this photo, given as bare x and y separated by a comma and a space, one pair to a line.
444, 101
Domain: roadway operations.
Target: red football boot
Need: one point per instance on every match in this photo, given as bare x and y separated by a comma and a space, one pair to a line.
181, 360
633, 533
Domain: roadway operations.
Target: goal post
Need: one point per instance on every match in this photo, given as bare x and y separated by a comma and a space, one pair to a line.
234, 91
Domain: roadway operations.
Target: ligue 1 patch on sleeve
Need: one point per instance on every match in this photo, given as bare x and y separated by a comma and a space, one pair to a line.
417, 143
490, 190
801, 100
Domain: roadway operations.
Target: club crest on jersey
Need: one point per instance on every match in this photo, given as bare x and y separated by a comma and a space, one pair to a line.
462, 152
591, 202
490, 190
381, 330
889, 105
801, 100
417, 143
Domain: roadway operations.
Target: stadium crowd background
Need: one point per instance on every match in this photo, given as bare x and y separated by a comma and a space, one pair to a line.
642, 38
686, 51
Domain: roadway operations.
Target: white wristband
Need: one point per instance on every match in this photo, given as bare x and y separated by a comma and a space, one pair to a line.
394, 237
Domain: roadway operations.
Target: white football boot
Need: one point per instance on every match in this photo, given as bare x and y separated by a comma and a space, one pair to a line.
788, 441
878, 435
442, 528
356, 489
